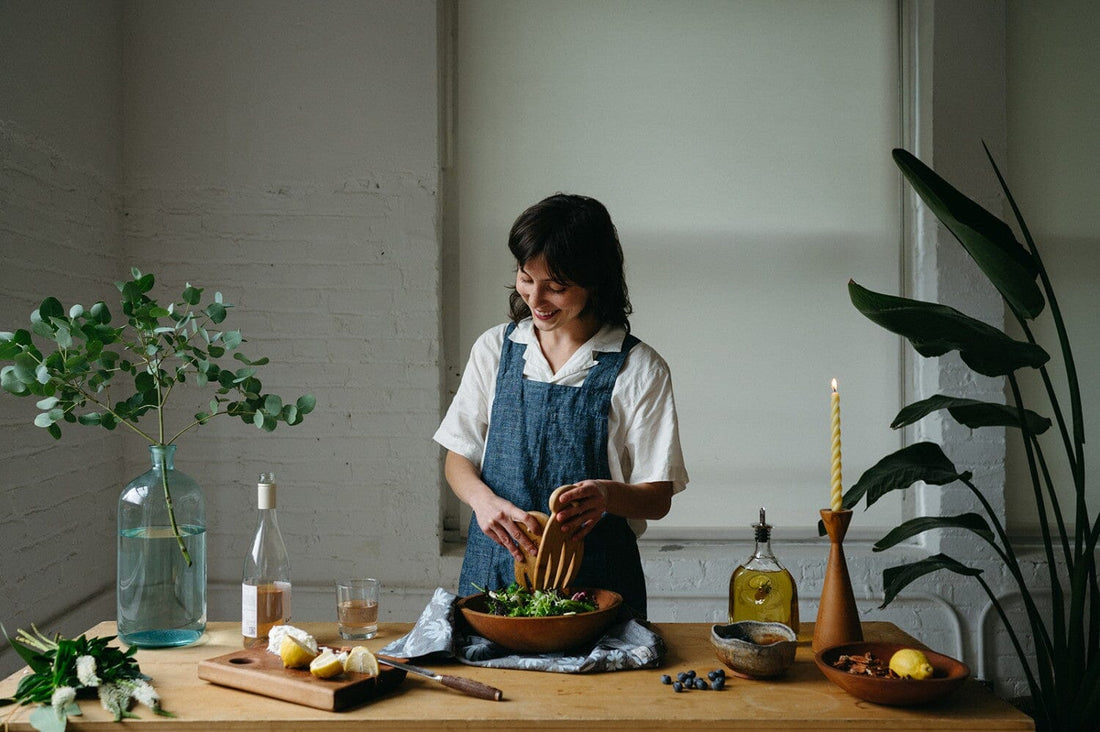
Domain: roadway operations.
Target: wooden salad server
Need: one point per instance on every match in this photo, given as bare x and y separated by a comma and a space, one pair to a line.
559, 557
525, 570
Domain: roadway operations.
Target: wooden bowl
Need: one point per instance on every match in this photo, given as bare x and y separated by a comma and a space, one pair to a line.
754, 650
541, 635
948, 675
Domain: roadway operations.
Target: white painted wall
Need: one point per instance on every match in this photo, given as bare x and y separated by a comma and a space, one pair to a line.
715, 133
286, 154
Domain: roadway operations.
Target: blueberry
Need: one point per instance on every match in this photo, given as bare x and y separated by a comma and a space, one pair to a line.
691, 673
720, 672
700, 684
666, 679
677, 686
718, 683
712, 675
682, 676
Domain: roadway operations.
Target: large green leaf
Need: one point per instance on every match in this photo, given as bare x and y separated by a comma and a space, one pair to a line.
923, 461
896, 579
971, 413
969, 521
936, 329
988, 240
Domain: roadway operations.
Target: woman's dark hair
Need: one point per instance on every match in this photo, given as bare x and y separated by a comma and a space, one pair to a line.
581, 247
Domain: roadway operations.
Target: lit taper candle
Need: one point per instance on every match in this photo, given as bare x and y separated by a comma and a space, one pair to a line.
837, 489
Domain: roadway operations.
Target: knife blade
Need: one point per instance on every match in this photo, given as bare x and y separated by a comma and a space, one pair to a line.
459, 683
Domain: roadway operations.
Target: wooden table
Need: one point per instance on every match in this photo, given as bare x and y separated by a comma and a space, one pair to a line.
633, 700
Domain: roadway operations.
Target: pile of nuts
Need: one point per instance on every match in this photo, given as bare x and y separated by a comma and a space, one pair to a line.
865, 664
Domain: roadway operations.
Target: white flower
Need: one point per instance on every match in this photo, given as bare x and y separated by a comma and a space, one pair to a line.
85, 671
146, 694
114, 699
62, 697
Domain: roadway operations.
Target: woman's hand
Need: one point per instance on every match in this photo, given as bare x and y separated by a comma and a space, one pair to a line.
500, 520
584, 504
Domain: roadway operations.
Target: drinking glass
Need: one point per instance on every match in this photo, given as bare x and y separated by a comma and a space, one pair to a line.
357, 608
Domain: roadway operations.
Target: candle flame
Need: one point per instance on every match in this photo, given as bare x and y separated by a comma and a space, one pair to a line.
834, 384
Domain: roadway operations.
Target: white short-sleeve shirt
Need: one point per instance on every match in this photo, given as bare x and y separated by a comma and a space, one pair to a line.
643, 434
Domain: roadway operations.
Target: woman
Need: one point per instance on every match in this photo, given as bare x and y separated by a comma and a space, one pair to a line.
564, 394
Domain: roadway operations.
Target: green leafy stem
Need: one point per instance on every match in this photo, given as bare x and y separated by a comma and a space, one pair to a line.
156, 350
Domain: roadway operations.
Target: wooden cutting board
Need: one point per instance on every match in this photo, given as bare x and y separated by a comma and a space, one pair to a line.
260, 672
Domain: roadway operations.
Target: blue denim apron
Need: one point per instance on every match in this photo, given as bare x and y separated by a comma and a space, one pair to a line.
542, 436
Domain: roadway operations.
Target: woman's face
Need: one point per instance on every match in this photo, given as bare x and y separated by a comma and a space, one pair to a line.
554, 305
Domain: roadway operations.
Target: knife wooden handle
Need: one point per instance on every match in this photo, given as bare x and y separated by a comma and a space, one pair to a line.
471, 687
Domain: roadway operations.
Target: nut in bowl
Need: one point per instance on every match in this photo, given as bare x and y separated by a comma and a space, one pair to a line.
948, 675
547, 634
755, 650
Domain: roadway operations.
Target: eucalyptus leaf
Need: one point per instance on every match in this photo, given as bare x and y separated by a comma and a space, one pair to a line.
973, 522
896, 579
47, 719
971, 413
988, 240
936, 329
306, 403
11, 383
273, 404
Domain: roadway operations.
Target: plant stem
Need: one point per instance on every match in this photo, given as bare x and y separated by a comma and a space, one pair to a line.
1037, 696
171, 508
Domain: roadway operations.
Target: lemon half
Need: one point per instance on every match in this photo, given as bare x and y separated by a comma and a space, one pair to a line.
909, 663
361, 660
326, 665
295, 653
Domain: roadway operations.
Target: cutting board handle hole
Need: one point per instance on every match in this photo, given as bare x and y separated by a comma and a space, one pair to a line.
242, 661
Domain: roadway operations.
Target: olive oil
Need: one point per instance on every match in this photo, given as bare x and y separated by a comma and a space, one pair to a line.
761, 588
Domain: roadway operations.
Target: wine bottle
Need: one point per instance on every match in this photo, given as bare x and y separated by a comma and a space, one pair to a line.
761, 588
265, 584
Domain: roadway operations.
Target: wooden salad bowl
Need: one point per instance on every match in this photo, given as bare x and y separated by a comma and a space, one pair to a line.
542, 635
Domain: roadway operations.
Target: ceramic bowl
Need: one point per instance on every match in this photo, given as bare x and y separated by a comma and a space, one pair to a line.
948, 675
541, 635
755, 650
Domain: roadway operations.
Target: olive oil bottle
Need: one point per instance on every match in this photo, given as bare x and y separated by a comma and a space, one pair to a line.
761, 588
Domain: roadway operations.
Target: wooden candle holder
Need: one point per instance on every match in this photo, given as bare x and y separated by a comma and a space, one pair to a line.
837, 616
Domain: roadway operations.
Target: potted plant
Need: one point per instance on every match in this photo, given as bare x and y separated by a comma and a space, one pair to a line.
1063, 673
92, 372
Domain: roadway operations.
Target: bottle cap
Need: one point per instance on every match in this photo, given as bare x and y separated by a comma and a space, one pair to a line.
265, 491
763, 529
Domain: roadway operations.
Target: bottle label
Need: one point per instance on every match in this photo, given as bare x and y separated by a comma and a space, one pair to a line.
249, 624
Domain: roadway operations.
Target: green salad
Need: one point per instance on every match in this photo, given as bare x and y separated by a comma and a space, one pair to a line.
516, 601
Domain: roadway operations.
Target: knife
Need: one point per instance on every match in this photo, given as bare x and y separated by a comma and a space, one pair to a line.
459, 683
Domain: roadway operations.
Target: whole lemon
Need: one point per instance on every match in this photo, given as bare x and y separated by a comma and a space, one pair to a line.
909, 663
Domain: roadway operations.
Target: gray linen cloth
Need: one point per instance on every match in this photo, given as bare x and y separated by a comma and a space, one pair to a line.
625, 645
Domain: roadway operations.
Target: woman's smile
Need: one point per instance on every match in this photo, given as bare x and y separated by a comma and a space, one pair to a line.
554, 305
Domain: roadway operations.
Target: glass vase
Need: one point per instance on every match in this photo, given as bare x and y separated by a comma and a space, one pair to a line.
161, 556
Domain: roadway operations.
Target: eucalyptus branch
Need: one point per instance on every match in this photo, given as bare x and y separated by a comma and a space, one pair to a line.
154, 348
